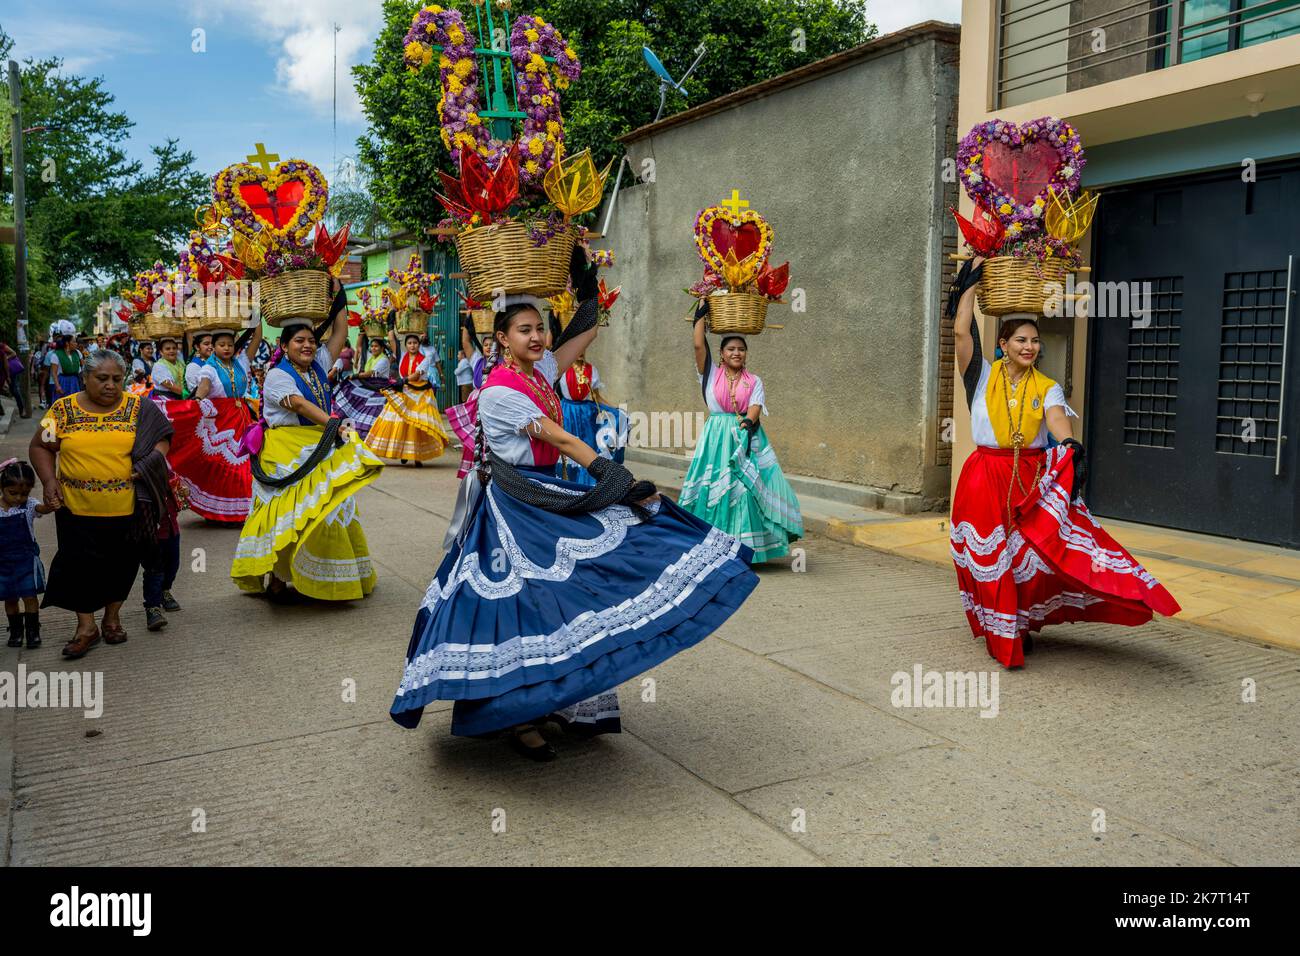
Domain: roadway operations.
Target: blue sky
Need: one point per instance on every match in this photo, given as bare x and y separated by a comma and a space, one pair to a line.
266, 75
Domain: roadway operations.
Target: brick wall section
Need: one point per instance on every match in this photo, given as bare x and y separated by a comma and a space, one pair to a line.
947, 374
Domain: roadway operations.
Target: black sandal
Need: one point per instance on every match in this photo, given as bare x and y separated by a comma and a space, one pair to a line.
542, 754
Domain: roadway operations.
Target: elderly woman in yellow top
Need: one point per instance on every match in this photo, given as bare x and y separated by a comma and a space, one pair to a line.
100, 457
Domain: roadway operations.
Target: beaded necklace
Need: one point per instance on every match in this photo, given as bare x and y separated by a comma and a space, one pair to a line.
1017, 437
542, 394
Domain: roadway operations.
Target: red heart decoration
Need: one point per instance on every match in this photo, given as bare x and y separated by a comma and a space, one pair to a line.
1022, 172
744, 239
278, 211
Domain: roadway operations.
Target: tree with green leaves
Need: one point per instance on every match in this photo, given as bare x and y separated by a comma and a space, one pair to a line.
746, 41
91, 211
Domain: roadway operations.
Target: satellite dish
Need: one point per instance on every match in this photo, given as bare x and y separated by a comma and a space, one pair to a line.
657, 65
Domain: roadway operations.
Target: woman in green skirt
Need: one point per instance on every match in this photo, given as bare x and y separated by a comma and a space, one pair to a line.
734, 481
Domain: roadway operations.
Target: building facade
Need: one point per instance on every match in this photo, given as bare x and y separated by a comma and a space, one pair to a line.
1183, 362
838, 156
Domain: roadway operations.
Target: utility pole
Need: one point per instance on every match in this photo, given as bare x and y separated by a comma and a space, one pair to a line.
20, 224
334, 159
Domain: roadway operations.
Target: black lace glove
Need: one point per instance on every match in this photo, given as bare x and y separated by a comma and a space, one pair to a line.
1080, 467
340, 303
750, 427
968, 275
582, 274
702, 309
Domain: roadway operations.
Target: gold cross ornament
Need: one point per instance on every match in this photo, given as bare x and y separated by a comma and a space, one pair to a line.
735, 203
264, 159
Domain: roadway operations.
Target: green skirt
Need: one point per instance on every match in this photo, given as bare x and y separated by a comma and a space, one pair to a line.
740, 491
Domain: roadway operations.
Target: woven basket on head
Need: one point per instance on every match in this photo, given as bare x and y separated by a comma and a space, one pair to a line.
737, 313
139, 329
504, 257
302, 293
1019, 285
225, 307
373, 327
412, 321
158, 324
483, 320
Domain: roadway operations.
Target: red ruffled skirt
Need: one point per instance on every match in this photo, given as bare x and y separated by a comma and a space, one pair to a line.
1055, 564
205, 455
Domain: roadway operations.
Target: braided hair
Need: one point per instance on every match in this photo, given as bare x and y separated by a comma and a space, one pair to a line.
500, 323
16, 473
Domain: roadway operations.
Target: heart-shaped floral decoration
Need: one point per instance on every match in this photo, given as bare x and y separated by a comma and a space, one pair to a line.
287, 201
718, 231
1014, 169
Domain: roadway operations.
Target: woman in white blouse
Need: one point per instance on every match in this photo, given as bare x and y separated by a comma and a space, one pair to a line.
304, 528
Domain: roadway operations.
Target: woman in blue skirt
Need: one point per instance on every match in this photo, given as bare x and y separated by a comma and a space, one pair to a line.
588, 417
552, 593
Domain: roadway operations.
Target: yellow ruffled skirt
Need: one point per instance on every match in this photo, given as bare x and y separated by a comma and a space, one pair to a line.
410, 427
308, 533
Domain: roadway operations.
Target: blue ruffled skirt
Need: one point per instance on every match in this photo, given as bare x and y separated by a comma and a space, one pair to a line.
580, 420
534, 614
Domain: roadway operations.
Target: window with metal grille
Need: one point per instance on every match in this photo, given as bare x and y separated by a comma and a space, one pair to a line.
1250, 362
1151, 382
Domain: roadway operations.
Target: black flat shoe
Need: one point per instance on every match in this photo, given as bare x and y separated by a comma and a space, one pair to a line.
1027, 643
542, 754
284, 595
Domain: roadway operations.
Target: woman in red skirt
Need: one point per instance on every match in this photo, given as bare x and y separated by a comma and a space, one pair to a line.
1028, 552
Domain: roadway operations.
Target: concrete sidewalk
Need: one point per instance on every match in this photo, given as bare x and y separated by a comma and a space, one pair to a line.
231, 736
1235, 587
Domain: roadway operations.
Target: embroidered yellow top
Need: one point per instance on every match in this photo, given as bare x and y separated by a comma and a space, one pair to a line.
95, 455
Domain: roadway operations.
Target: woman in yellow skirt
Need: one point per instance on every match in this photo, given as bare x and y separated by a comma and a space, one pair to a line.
303, 528
410, 427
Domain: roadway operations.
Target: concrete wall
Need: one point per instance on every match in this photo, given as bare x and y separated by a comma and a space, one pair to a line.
845, 168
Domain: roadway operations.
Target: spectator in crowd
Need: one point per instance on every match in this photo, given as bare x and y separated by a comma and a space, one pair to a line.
11, 375
66, 368
100, 456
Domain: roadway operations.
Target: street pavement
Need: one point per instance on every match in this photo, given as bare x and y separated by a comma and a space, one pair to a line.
233, 736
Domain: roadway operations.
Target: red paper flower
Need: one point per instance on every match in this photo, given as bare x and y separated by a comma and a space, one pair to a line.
481, 191
984, 235
124, 314
328, 247
427, 301
232, 268
606, 298
772, 282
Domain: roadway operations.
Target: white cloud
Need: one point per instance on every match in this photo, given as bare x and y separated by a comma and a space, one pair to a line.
891, 15
80, 49
303, 31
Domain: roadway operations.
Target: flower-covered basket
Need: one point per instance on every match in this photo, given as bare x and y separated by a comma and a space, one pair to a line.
735, 244
1030, 212
512, 210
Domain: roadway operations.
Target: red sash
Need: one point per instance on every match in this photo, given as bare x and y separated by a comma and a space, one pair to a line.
579, 385
543, 454
408, 365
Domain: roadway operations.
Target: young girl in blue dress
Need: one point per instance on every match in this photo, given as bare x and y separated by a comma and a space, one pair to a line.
22, 576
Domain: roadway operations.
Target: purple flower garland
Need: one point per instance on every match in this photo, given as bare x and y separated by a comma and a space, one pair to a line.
1021, 221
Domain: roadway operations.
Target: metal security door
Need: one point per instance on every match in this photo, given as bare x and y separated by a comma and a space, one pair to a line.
1192, 405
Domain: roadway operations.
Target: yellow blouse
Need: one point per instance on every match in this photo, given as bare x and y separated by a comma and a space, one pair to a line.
95, 455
